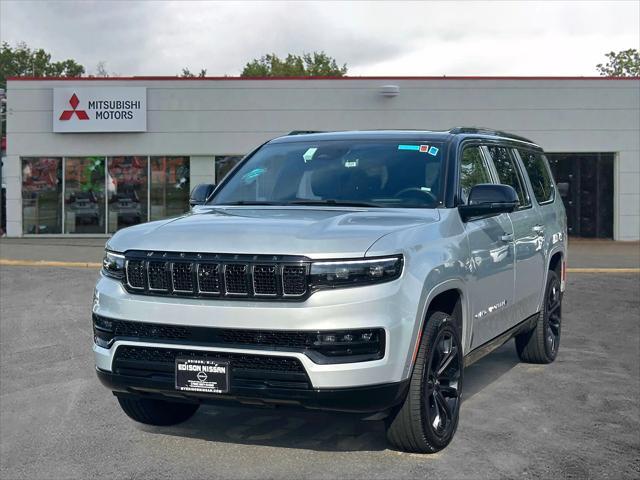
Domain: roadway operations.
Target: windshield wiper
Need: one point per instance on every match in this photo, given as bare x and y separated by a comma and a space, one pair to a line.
334, 203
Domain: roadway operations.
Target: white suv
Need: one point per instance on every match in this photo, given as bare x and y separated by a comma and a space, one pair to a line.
352, 271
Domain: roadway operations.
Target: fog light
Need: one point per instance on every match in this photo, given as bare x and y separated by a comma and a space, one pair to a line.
103, 331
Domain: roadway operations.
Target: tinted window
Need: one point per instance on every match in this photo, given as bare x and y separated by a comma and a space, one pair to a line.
380, 173
472, 171
508, 173
538, 175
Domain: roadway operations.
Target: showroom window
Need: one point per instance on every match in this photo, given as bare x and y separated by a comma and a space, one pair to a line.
98, 195
41, 195
169, 186
224, 164
84, 200
127, 187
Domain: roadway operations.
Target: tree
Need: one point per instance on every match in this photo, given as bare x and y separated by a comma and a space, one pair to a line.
625, 63
316, 64
22, 61
186, 73
101, 69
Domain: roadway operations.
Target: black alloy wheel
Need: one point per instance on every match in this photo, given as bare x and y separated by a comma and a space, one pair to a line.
553, 312
427, 419
541, 344
442, 398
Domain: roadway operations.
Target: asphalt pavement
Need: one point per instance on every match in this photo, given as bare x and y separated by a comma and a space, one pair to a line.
576, 418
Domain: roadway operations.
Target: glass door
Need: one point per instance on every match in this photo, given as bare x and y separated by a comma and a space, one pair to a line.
84, 199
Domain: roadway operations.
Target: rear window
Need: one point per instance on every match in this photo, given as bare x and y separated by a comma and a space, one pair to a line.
539, 175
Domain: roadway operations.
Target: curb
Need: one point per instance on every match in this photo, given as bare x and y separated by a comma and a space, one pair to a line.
603, 270
48, 263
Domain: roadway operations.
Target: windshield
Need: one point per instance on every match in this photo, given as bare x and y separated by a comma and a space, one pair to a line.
350, 173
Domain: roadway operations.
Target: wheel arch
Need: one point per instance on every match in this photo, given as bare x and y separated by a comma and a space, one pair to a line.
450, 297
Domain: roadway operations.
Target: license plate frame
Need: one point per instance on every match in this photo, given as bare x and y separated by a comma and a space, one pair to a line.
202, 375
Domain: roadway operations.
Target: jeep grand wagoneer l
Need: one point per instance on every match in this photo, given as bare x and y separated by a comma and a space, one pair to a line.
350, 271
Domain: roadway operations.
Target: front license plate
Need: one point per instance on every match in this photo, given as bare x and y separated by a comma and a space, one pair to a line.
202, 375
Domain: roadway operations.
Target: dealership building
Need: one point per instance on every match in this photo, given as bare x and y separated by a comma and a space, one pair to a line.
89, 156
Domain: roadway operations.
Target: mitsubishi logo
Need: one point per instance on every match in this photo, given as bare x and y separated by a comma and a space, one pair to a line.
67, 114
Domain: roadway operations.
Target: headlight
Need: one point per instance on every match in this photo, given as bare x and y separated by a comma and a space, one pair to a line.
113, 265
355, 272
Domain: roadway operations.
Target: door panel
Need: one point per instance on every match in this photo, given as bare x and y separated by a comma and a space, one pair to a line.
528, 237
491, 289
528, 233
491, 253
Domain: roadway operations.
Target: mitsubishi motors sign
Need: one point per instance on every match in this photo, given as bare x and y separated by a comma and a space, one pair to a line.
100, 109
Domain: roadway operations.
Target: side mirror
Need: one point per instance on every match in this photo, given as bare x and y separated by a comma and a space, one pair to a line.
487, 200
200, 193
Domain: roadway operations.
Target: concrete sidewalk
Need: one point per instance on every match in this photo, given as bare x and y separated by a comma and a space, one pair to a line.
582, 253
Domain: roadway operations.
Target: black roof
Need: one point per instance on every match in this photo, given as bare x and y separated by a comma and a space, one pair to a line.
407, 135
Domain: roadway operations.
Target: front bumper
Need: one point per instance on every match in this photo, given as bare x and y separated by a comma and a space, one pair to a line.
370, 399
358, 386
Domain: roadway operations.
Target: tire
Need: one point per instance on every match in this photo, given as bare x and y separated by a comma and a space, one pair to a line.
157, 412
540, 345
416, 425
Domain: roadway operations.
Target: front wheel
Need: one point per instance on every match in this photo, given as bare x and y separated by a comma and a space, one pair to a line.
541, 344
428, 417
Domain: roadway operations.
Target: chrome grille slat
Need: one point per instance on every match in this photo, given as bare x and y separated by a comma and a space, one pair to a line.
217, 276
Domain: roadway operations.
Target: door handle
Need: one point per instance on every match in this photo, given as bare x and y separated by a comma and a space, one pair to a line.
507, 237
538, 230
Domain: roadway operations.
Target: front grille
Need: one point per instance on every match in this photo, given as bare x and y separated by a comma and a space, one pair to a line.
136, 274
182, 277
255, 371
240, 360
213, 275
150, 330
294, 280
321, 346
157, 272
235, 279
271, 338
264, 280
209, 278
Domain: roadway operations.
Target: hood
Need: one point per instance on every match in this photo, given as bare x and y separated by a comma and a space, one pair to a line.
313, 232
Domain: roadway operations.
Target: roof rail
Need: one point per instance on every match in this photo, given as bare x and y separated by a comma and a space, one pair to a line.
489, 131
304, 132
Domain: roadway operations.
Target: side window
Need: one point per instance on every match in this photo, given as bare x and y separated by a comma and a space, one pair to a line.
508, 173
539, 175
472, 171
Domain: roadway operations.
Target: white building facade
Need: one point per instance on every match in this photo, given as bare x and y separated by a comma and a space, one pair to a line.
90, 156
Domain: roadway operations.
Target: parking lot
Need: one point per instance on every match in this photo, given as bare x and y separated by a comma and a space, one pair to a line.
577, 418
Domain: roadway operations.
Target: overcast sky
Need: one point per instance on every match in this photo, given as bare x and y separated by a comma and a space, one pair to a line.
373, 38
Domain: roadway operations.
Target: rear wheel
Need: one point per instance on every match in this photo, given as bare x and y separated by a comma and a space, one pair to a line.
157, 412
541, 344
428, 417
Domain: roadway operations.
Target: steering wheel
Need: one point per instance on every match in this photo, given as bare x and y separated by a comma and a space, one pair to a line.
415, 193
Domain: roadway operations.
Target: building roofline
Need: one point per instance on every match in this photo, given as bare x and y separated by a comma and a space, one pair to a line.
168, 78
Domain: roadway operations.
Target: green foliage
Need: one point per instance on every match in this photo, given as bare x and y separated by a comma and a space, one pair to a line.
186, 73
316, 64
625, 63
22, 61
